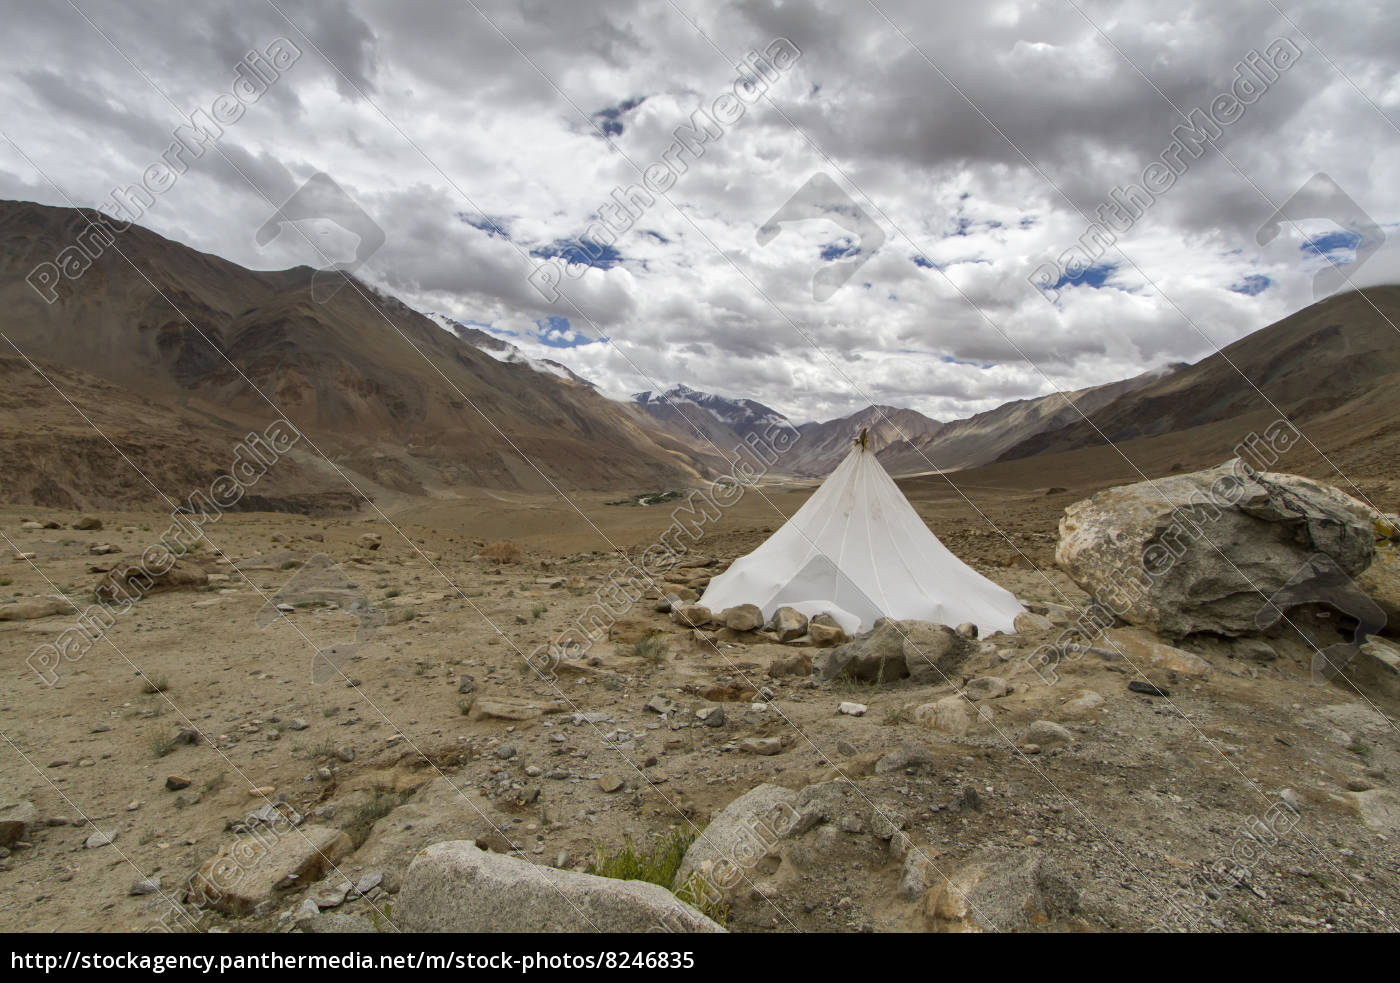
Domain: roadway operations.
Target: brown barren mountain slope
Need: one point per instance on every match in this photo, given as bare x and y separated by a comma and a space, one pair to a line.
378, 386
1310, 365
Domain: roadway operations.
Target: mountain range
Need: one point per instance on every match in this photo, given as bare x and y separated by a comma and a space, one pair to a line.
154, 360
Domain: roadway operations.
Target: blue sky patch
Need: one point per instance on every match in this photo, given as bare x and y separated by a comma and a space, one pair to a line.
585, 251
1252, 285
609, 120
1340, 241
1095, 276
842, 248
494, 227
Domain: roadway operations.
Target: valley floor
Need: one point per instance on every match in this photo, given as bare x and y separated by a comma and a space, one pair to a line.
1152, 811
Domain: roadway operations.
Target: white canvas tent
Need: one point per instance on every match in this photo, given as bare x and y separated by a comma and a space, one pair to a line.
858, 551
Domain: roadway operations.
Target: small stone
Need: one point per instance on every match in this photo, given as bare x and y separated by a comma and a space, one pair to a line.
148, 886
298, 724
986, 688
100, 839
744, 617
711, 716
967, 630
660, 704
1047, 733
761, 745
852, 709
505, 752
788, 624
1087, 700
346, 753
908, 755
826, 631
692, 615
610, 783
1028, 622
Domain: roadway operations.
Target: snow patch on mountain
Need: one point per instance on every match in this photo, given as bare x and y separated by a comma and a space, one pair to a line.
502, 350
740, 415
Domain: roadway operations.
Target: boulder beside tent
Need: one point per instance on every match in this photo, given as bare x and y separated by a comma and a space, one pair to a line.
858, 551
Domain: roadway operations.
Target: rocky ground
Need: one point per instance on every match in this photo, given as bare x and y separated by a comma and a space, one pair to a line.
301, 758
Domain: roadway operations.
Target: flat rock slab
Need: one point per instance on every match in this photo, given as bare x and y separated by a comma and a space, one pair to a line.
1143, 651
250, 871
455, 887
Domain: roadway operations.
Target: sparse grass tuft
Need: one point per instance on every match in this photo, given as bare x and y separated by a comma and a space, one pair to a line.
155, 684
361, 820
651, 649
160, 741
536, 610
657, 865
898, 715
502, 551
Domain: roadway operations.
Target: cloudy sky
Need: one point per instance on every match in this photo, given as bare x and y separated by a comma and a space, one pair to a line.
937, 162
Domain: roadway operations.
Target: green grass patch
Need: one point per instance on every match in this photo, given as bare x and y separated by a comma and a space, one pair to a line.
658, 865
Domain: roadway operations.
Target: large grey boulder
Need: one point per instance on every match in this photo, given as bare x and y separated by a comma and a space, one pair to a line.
440, 810
920, 650
456, 887
933, 653
1002, 891
742, 834
1223, 550
876, 656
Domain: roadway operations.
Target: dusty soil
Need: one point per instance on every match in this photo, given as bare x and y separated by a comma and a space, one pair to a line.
1151, 794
